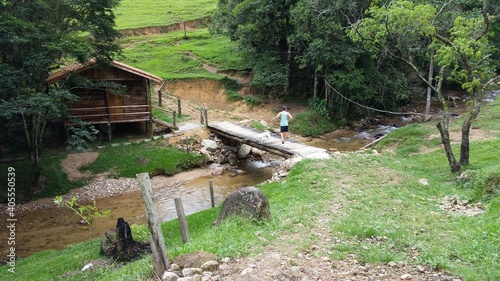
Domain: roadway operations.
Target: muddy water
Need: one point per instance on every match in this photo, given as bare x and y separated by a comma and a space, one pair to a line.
55, 228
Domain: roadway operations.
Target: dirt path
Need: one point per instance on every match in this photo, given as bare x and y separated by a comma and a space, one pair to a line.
73, 162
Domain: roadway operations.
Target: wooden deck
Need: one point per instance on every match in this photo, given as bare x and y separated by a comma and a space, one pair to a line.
248, 136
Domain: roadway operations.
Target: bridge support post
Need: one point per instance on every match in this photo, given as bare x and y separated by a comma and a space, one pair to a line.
203, 116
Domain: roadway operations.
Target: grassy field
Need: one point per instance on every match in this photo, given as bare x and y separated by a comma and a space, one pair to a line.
382, 196
171, 56
143, 13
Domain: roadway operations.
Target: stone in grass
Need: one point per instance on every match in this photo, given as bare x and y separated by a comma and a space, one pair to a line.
194, 259
248, 202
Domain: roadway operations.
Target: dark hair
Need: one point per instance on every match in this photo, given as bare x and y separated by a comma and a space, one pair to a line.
285, 107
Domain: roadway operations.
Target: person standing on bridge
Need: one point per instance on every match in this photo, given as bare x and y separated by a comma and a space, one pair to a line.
284, 116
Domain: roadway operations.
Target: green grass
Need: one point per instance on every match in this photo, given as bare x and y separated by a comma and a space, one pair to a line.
168, 117
143, 13
54, 180
170, 56
154, 158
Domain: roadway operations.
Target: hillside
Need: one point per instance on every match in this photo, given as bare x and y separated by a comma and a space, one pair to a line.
132, 14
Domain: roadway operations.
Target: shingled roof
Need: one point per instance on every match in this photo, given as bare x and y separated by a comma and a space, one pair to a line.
63, 74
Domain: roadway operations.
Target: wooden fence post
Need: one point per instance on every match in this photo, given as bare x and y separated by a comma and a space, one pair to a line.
179, 106
161, 263
206, 118
182, 219
211, 185
159, 98
202, 115
173, 117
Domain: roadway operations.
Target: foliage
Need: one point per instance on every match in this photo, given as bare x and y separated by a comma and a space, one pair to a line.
86, 212
252, 100
459, 39
311, 124
35, 110
319, 105
234, 96
80, 135
36, 37
259, 126
140, 233
261, 38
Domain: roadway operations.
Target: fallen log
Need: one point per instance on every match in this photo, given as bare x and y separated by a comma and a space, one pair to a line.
373, 142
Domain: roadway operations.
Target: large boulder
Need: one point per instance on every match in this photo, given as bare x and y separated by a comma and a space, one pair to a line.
248, 202
243, 151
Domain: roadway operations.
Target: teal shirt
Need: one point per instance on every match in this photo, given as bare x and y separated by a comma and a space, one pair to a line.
284, 119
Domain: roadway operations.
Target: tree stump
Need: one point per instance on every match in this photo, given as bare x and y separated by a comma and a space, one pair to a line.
249, 202
120, 245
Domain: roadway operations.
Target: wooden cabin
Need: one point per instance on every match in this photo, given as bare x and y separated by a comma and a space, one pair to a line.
101, 106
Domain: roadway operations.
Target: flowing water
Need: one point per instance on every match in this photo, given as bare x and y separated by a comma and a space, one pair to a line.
55, 228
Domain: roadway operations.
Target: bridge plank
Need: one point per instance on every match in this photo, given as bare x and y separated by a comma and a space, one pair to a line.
248, 136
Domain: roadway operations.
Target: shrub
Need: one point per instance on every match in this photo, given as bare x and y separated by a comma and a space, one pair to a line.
484, 183
311, 124
233, 96
258, 126
252, 101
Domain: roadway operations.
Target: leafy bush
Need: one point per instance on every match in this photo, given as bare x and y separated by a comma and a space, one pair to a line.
258, 126
230, 84
252, 101
233, 96
319, 105
311, 124
140, 233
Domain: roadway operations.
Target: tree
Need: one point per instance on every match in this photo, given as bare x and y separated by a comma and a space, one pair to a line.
402, 29
37, 37
296, 48
261, 28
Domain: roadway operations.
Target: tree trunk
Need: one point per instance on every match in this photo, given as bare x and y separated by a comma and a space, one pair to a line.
315, 90
445, 140
443, 126
429, 89
464, 146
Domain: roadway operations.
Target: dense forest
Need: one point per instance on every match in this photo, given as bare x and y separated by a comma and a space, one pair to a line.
316, 49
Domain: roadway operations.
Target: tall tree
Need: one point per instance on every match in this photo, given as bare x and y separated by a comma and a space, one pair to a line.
262, 29
37, 37
459, 37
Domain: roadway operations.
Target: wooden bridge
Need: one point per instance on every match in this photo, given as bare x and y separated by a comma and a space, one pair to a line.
273, 144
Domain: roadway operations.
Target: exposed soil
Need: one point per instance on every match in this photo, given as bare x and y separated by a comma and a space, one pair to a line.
72, 164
